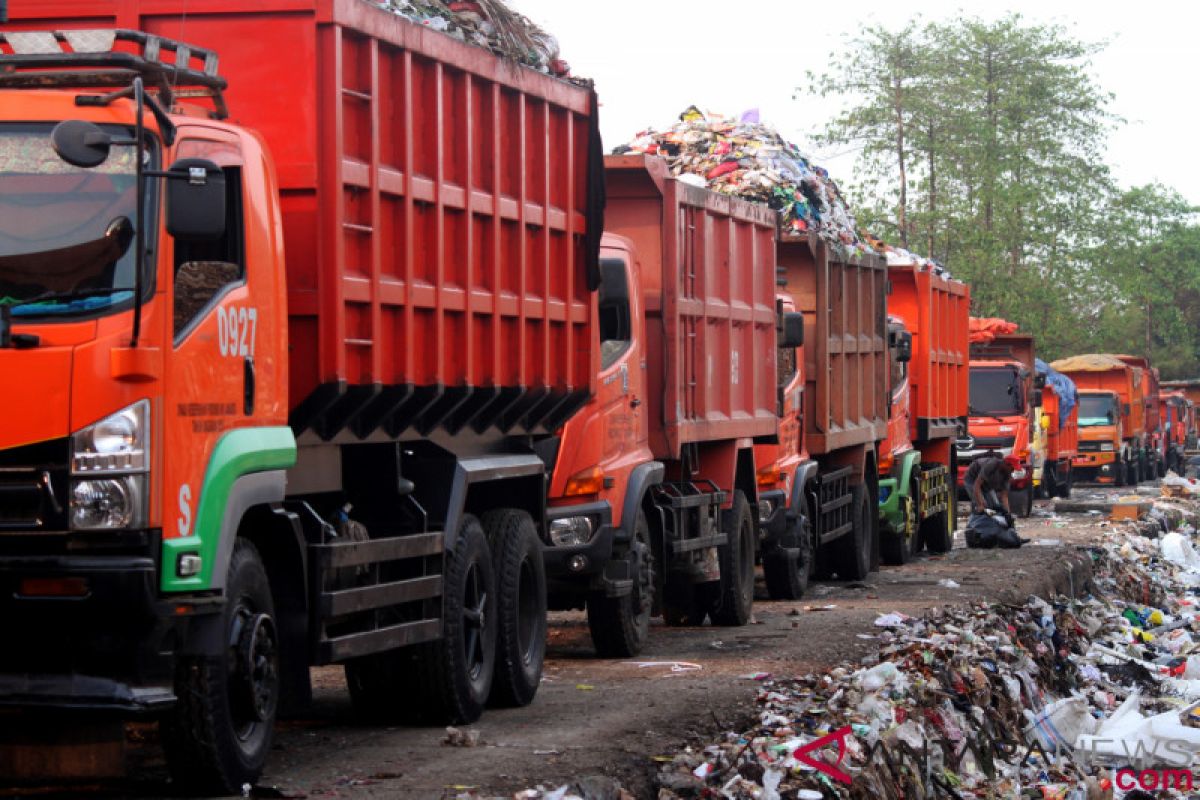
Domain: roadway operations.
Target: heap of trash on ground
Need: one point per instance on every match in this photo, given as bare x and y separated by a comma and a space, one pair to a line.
489, 24
1093, 697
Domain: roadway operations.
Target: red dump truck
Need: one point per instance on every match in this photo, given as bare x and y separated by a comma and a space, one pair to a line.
296, 377
927, 337
1153, 459
1190, 389
653, 498
1005, 394
1112, 432
1175, 413
1059, 441
819, 484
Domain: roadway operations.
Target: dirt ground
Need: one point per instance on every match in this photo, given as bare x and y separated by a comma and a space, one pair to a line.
612, 717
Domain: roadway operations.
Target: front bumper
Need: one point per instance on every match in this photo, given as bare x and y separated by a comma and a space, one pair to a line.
1094, 459
109, 645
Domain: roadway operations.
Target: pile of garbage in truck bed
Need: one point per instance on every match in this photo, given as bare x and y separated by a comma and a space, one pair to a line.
1055, 699
748, 159
489, 24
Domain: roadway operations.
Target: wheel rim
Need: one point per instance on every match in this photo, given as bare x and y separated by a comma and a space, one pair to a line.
475, 600
528, 614
253, 670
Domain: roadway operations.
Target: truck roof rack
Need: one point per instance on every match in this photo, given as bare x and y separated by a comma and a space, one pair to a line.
87, 59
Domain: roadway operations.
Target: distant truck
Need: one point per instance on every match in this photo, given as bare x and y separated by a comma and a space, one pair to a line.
1190, 389
929, 351
1177, 415
296, 385
653, 498
1058, 425
1112, 431
1153, 458
1005, 394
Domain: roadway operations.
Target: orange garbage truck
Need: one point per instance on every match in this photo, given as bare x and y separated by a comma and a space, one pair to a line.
929, 355
819, 483
288, 385
1059, 424
1176, 414
1153, 458
1005, 394
653, 501
1190, 389
1112, 433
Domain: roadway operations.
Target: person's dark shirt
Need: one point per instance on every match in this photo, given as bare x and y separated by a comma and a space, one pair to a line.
989, 473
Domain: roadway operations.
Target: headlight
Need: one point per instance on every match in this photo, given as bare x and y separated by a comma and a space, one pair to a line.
109, 503
765, 509
1106, 447
117, 443
109, 461
571, 531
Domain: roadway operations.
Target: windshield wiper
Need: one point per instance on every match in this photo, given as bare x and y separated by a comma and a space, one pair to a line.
973, 410
65, 297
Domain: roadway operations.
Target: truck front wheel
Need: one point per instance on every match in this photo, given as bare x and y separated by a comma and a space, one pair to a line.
735, 599
219, 733
620, 625
454, 674
787, 578
521, 595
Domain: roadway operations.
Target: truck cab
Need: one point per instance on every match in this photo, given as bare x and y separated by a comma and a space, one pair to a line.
1003, 403
1101, 435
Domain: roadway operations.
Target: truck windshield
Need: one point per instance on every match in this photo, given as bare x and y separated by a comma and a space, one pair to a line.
1097, 409
66, 232
995, 391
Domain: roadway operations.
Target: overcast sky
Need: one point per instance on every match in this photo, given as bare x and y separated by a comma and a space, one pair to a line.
652, 58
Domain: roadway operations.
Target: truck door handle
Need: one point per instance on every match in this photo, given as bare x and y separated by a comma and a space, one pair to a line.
248, 386
634, 402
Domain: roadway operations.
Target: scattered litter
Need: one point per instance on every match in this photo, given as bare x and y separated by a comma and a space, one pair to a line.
755, 676
892, 620
949, 584
674, 666
461, 737
584, 687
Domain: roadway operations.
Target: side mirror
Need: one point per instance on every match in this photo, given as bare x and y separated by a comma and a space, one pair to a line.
1039, 381
195, 200
903, 347
791, 329
80, 143
1036, 400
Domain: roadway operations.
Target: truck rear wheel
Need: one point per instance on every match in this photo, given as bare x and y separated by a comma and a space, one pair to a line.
735, 600
521, 606
1067, 484
219, 734
620, 625
453, 675
685, 603
852, 551
788, 579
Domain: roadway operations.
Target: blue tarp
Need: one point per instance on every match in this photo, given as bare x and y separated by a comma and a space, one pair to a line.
1063, 386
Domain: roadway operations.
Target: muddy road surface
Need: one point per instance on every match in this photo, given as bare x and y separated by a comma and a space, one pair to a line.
613, 717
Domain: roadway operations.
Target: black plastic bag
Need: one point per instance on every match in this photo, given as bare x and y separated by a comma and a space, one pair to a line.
985, 531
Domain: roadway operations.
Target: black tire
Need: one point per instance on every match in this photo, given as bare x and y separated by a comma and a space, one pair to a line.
453, 675
1120, 472
1049, 486
621, 625
937, 530
380, 688
852, 551
521, 600
1135, 476
1023, 506
219, 733
897, 549
875, 527
787, 579
735, 599
1064, 488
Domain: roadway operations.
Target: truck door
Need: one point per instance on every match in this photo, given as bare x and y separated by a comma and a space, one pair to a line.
214, 378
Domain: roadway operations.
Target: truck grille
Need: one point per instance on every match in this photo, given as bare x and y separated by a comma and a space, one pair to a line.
33, 487
985, 442
1089, 447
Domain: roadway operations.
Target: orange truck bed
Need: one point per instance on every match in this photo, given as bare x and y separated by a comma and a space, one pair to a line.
1105, 373
708, 278
935, 310
844, 302
435, 204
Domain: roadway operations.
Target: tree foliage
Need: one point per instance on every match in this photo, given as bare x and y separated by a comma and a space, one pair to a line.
982, 145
